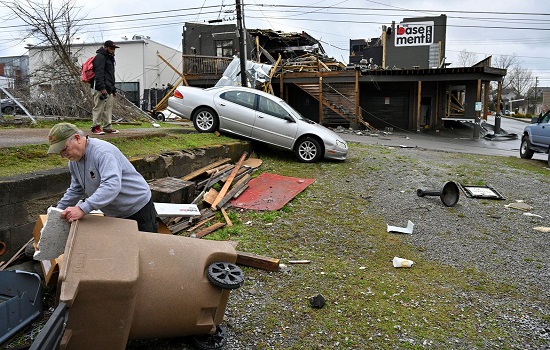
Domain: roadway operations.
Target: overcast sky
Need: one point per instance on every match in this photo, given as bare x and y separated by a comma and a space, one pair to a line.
503, 27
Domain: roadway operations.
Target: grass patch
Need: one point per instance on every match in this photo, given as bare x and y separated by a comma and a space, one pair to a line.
33, 158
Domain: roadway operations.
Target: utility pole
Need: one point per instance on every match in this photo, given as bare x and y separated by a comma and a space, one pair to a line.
241, 36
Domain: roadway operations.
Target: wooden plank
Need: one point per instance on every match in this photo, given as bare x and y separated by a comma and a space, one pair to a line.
236, 188
200, 223
226, 217
209, 229
17, 255
258, 261
210, 196
198, 172
228, 182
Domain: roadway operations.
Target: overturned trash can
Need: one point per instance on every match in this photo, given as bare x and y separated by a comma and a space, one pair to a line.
120, 283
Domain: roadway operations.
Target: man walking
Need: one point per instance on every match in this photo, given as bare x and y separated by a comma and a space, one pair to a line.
104, 89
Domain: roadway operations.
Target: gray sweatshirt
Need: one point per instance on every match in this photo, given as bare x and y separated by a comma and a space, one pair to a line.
108, 182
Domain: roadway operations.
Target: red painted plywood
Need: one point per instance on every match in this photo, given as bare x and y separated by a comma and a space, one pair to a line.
270, 192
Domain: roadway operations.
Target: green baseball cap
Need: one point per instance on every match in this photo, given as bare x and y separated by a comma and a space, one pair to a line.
59, 134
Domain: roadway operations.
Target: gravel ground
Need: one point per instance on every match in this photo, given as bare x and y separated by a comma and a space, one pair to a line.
476, 234
479, 234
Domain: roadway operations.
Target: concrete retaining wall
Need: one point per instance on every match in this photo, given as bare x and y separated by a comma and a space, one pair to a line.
24, 197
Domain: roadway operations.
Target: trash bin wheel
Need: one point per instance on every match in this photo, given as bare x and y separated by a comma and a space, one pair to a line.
211, 341
225, 275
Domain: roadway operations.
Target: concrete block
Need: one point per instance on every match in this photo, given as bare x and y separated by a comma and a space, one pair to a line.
53, 236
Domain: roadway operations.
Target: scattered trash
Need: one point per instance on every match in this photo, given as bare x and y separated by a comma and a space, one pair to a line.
400, 262
449, 194
531, 214
519, 205
408, 229
486, 191
299, 261
542, 228
317, 301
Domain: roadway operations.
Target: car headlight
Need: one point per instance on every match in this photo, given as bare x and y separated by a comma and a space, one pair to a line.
341, 144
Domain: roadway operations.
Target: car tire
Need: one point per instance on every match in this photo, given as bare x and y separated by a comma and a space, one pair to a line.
525, 150
308, 150
549, 158
159, 116
205, 120
8, 110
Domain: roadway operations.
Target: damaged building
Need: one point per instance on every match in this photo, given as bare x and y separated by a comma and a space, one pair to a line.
398, 81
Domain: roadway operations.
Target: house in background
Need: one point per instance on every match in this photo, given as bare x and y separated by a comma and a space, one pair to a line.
140, 73
15, 70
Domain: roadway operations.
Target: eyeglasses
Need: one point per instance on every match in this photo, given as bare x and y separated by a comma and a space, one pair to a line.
66, 146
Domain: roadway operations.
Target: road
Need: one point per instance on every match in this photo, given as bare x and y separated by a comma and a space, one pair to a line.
458, 139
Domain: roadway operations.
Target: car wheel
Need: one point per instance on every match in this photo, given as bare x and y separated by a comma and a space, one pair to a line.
211, 341
205, 120
158, 116
549, 158
525, 150
308, 150
8, 110
225, 275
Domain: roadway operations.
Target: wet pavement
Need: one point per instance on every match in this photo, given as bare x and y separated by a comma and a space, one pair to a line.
458, 138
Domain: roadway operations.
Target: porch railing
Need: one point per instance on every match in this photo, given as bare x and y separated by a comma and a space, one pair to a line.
195, 64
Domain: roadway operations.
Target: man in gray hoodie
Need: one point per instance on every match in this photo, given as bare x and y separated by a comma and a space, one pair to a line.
102, 178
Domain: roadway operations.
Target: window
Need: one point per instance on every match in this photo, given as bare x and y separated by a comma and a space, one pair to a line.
271, 107
242, 98
224, 48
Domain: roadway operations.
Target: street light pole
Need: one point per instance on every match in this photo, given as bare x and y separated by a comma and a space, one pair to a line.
241, 36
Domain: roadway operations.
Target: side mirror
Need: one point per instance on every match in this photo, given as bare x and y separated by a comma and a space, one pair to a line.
288, 118
534, 120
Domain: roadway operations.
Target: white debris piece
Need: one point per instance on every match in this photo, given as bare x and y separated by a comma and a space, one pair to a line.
53, 236
408, 229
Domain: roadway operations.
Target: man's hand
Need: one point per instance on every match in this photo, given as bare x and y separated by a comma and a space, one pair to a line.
103, 92
72, 214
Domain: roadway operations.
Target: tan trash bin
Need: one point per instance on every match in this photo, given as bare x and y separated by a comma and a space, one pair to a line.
120, 284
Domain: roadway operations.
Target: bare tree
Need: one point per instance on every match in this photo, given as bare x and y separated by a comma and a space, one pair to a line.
54, 27
54, 24
521, 79
466, 58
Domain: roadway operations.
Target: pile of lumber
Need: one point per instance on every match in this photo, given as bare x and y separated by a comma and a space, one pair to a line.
230, 179
312, 63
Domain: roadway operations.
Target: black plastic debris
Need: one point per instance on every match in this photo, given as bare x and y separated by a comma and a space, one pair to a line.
20, 301
317, 301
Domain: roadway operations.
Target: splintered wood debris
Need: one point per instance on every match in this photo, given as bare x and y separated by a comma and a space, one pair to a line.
230, 180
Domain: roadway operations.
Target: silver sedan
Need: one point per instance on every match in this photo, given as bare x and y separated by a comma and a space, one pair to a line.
257, 115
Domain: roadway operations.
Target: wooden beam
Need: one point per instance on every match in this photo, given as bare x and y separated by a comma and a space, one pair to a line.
226, 217
228, 182
258, 261
418, 105
202, 170
320, 100
209, 229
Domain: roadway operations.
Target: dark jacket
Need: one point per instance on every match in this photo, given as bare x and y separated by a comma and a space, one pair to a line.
104, 69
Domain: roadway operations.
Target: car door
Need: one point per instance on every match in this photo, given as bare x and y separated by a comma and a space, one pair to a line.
540, 132
236, 111
274, 124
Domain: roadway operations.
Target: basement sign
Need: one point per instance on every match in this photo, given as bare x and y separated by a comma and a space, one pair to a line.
414, 34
